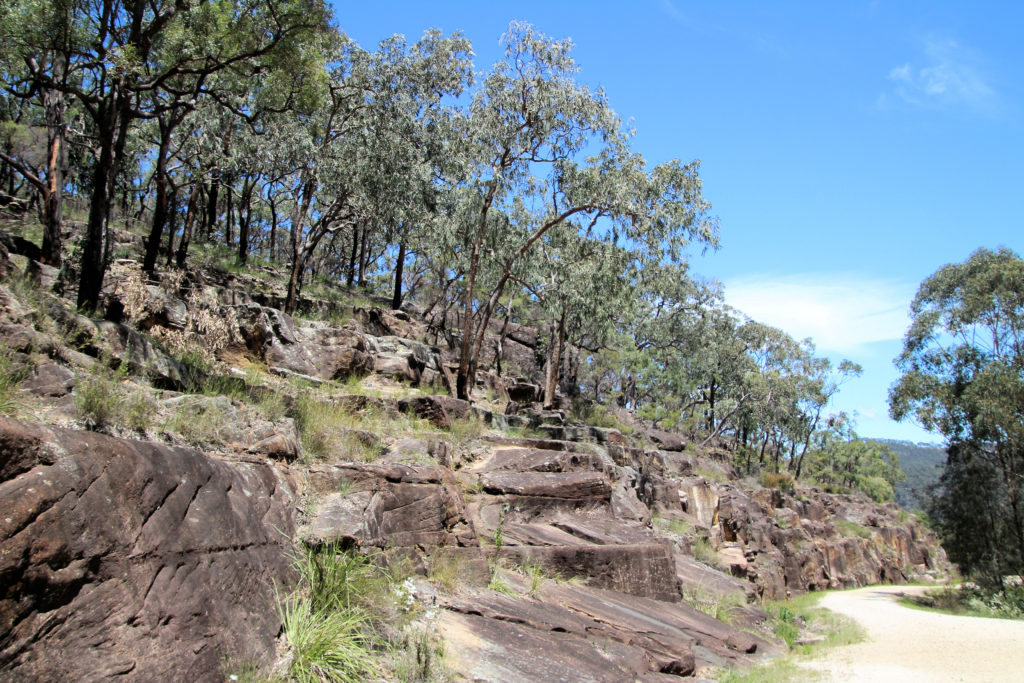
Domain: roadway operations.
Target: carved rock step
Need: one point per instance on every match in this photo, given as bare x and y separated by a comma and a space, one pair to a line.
540, 460
647, 570
577, 633
388, 506
544, 444
574, 486
123, 558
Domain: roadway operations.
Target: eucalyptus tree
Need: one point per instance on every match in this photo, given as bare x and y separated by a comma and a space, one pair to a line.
34, 40
364, 143
963, 376
528, 127
123, 52
581, 284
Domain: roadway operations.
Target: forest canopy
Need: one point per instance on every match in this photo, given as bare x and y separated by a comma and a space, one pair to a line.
258, 128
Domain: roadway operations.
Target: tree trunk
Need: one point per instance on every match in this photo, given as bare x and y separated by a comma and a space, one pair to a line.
396, 300
362, 257
555, 363
229, 214
186, 231
244, 218
53, 104
466, 377
160, 208
113, 129
211, 205
299, 256
272, 247
350, 281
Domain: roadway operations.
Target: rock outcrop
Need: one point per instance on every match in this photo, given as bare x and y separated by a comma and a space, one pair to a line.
132, 560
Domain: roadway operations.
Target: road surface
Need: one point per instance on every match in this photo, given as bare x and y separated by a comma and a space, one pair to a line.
907, 645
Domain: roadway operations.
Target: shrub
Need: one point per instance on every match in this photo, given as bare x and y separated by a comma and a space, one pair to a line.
850, 529
777, 480
138, 411
331, 646
11, 376
97, 399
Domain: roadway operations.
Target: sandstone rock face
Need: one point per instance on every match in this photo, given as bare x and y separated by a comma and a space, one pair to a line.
388, 506
134, 560
791, 545
574, 633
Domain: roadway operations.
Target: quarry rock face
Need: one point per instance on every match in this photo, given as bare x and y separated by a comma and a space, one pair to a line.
135, 560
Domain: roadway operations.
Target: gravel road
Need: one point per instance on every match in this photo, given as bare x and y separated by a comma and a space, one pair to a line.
909, 646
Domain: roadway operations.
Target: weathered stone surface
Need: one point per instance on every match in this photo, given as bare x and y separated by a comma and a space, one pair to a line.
626, 505
667, 441
134, 560
645, 570
701, 501
50, 379
312, 348
438, 410
135, 352
389, 506
524, 392
541, 460
578, 633
576, 486
789, 544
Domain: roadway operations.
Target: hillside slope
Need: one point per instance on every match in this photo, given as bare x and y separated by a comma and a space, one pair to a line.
922, 463
167, 465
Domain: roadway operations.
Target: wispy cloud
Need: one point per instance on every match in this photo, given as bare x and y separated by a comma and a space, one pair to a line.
841, 313
946, 74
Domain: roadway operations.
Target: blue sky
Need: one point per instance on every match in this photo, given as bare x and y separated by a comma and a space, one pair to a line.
849, 149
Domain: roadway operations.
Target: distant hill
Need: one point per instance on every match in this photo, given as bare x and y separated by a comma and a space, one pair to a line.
922, 463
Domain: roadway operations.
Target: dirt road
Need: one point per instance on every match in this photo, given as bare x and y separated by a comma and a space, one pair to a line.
908, 646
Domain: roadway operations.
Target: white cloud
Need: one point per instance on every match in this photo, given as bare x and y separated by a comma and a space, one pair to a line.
841, 313
946, 75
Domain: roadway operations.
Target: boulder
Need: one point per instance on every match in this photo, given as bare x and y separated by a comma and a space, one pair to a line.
49, 379
388, 506
667, 441
438, 410
135, 560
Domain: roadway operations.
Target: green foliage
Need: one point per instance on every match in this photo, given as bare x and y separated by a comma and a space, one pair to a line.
445, 569
851, 529
973, 600
348, 621
199, 423
11, 377
922, 464
97, 399
721, 607
777, 480
499, 584
844, 463
704, 552
962, 376
792, 617
333, 646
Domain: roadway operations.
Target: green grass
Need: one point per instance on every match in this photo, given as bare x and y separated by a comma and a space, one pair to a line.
790, 618
499, 584
720, 607
11, 377
350, 619
777, 480
198, 424
327, 646
971, 601
778, 670
444, 569
850, 529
